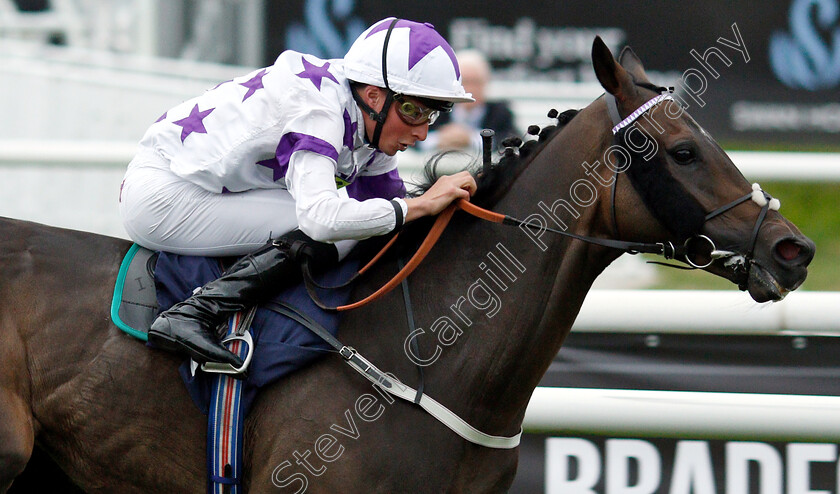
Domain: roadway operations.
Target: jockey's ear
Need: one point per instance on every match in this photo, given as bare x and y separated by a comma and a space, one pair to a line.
372, 95
612, 76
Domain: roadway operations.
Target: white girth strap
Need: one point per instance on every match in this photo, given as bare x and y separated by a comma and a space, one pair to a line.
435, 409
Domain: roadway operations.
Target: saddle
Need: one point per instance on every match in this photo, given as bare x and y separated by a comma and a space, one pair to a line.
150, 282
277, 341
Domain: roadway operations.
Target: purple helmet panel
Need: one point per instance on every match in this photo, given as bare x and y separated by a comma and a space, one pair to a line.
422, 39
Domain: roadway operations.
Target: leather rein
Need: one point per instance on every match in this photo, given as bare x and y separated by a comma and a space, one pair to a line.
698, 251
665, 249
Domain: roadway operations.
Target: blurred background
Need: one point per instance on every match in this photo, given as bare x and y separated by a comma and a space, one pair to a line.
80, 80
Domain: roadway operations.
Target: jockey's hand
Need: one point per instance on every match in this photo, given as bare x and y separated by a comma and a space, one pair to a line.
447, 189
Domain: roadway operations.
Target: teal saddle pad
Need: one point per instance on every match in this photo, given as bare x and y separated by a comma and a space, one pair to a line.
134, 306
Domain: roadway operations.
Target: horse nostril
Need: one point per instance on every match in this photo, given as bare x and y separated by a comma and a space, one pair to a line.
795, 251
788, 250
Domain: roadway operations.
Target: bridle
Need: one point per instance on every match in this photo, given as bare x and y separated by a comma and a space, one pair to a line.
297, 250
698, 251
417, 396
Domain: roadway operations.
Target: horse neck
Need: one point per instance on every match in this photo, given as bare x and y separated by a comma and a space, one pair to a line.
500, 358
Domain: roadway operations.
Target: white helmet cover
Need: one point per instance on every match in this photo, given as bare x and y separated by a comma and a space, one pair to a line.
419, 61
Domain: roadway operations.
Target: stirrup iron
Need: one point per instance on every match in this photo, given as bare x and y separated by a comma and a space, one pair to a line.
223, 368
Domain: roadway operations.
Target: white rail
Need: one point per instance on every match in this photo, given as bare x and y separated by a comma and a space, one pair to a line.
734, 416
708, 312
79, 153
789, 166
680, 414
813, 167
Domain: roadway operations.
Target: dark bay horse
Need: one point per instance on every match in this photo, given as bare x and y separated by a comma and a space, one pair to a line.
493, 305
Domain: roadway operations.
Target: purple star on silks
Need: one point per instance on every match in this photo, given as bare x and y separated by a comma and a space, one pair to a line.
291, 143
274, 164
253, 84
194, 122
161, 117
316, 74
350, 129
422, 39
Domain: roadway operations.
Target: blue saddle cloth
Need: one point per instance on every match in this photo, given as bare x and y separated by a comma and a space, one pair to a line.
282, 346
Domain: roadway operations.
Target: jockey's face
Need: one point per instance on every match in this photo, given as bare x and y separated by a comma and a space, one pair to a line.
396, 134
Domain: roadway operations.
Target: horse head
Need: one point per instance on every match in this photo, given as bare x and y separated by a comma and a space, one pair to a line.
688, 188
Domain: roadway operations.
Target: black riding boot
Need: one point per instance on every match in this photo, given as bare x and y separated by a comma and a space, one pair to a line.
191, 326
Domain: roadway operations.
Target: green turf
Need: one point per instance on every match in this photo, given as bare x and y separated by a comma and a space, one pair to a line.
785, 146
813, 207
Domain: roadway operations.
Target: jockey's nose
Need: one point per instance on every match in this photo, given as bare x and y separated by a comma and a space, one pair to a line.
420, 132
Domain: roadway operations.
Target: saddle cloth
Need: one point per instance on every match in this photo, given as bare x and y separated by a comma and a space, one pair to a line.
150, 282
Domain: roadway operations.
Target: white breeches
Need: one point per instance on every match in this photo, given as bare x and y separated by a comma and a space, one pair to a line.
162, 211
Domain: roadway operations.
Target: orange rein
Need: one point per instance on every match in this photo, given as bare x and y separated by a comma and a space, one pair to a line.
431, 239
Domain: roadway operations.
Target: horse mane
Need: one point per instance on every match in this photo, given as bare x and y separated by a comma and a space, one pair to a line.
493, 181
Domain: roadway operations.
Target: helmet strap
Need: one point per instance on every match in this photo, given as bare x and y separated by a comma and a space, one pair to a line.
380, 122
382, 114
377, 116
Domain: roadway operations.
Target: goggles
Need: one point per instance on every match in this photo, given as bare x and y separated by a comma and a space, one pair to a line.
413, 114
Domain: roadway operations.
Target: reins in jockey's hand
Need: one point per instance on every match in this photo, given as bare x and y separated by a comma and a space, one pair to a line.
666, 249
698, 251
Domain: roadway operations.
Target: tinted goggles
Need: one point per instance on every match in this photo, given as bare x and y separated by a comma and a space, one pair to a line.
412, 113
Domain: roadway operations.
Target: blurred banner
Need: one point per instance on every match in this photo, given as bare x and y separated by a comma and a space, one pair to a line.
589, 465
791, 365
752, 73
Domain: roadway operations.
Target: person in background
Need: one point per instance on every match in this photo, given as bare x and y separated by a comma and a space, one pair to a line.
460, 129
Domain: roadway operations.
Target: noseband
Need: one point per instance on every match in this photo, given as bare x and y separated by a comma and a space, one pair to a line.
699, 251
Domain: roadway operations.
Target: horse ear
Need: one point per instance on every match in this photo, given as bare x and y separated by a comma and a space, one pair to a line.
631, 62
611, 75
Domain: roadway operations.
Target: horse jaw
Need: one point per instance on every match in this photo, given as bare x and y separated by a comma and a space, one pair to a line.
763, 281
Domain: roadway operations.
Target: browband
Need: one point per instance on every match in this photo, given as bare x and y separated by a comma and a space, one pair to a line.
612, 108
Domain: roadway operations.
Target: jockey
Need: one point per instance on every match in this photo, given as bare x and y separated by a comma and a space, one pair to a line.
264, 154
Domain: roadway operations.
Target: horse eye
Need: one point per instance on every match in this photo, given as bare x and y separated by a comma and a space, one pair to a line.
684, 156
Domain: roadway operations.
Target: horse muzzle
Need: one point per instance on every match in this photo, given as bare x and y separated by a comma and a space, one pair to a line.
780, 269
769, 274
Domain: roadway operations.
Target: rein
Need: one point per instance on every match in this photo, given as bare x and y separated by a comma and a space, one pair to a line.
665, 249
699, 251
692, 251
